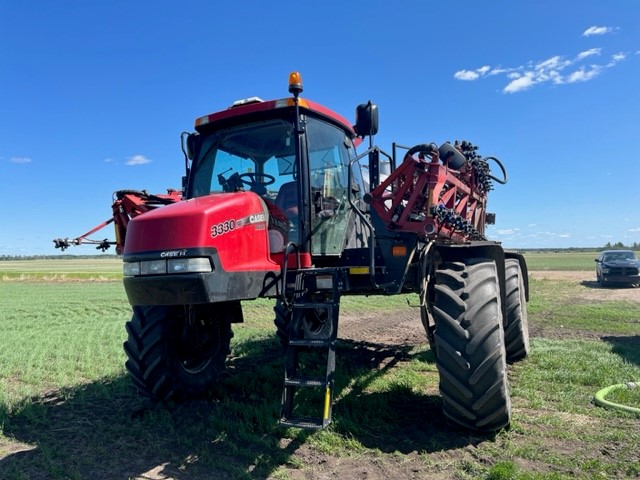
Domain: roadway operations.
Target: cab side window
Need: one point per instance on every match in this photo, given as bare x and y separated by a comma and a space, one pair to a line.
330, 151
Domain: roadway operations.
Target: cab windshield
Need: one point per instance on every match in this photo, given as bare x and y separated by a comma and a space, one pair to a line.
259, 157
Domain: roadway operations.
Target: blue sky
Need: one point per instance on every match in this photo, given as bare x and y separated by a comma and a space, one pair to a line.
94, 96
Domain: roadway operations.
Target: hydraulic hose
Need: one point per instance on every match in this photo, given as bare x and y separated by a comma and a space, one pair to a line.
601, 401
504, 171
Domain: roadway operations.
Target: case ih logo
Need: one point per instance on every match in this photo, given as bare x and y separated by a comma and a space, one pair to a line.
257, 218
173, 253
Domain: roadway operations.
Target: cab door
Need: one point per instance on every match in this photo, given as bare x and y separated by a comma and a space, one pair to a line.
333, 223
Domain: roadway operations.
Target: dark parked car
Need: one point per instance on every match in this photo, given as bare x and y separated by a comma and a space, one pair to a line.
617, 267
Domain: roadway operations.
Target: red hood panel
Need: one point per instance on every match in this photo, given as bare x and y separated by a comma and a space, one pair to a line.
233, 223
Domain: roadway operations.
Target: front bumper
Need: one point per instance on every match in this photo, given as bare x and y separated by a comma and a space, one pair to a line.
621, 279
218, 285
193, 288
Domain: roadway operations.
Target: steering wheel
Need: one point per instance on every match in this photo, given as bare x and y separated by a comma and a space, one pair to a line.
250, 179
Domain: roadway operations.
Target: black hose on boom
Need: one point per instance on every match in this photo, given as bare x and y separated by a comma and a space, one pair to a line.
504, 171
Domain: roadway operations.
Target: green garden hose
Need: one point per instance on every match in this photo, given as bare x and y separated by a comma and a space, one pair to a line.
600, 400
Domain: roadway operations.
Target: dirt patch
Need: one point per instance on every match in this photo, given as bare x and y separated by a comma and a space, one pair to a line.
403, 328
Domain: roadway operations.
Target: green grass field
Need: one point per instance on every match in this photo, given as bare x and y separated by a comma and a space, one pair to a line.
64, 268
561, 261
68, 410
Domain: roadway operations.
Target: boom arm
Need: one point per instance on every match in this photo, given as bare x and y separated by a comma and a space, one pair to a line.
428, 196
127, 204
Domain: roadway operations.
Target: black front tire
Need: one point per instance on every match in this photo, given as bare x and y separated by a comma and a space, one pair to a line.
471, 355
177, 352
282, 321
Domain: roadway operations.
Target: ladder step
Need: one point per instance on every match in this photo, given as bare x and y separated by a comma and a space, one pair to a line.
310, 342
306, 382
305, 422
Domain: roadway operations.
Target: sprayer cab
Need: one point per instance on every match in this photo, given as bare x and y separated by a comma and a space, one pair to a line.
264, 180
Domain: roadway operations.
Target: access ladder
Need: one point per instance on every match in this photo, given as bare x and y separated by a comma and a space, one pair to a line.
313, 334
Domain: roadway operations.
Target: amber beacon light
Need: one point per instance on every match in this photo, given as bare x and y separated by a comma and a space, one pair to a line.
295, 83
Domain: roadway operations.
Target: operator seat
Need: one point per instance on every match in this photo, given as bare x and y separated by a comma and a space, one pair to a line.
287, 200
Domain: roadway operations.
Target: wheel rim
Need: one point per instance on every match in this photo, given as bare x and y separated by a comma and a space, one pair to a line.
198, 343
316, 323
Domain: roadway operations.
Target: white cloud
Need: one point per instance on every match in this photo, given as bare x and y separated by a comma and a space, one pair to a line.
20, 160
634, 230
108, 160
466, 75
470, 75
137, 160
521, 83
551, 63
589, 53
551, 70
617, 57
583, 74
499, 70
596, 31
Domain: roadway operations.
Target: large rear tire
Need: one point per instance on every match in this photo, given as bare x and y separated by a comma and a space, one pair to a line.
516, 325
177, 352
469, 338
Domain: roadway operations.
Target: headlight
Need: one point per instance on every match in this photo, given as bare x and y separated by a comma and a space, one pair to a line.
131, 269
605, 269
163, 266
188, 265
153, 267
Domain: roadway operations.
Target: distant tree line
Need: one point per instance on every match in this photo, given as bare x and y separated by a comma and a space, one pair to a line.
621, 246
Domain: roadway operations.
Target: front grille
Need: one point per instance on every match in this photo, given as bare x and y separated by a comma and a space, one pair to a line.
623, 271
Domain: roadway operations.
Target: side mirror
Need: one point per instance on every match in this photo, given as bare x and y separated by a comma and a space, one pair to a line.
189, 141
192, 140
366, 119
